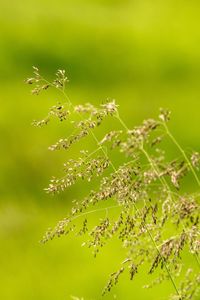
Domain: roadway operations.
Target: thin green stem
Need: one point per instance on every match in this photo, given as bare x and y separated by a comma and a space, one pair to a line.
93, 211
162, 180
121, 121
183, 152
164, 262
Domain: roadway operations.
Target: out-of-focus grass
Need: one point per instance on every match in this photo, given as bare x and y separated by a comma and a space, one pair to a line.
143, 53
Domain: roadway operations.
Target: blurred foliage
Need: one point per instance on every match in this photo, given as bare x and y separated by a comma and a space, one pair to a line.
146, 54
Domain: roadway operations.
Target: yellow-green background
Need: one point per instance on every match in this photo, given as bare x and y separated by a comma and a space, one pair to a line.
146, 55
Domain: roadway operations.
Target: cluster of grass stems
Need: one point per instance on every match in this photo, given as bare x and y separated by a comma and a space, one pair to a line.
146, 188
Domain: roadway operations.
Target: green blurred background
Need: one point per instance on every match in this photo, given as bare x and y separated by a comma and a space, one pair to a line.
146, 55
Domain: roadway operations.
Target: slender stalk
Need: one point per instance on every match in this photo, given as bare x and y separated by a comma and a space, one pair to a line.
93, 211
121, 121
155, 245
183, 153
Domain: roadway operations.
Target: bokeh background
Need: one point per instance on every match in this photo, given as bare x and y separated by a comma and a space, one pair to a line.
146, 55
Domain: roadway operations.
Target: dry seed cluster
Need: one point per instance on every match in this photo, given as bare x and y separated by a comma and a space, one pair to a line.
146, 189
57, 111
75, 169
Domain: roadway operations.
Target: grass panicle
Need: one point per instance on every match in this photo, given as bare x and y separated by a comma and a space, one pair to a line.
144, 191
